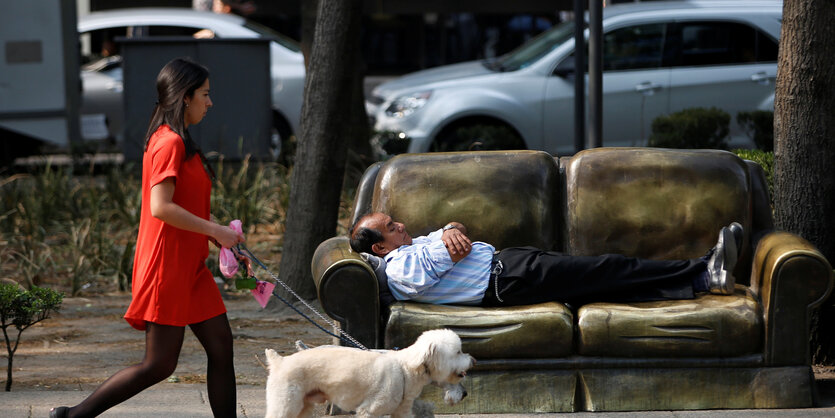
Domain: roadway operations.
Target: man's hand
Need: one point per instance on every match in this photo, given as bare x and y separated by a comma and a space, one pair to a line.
456, 242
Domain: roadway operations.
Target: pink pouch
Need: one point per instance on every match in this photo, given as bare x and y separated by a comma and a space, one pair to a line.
227, 260
236, 226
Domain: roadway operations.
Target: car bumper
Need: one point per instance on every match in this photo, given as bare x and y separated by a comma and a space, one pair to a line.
397, 135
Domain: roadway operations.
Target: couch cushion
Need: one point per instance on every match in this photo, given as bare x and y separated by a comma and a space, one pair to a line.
708, 326
653, 203
505, 198
536, 331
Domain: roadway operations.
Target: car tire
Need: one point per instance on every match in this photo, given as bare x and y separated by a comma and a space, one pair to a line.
477, 135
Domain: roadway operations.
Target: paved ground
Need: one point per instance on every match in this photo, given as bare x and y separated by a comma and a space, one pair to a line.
176, 400
63, 359
60, 361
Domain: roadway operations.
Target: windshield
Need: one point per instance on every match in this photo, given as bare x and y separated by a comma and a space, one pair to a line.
281, 39
529, 52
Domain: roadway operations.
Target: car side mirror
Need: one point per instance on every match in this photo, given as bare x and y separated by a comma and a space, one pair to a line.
564, 72
565, 68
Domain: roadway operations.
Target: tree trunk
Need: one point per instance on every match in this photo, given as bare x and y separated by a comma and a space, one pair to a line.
9, 365
10, 350
308, 14
804, 130
316, 182
359, 155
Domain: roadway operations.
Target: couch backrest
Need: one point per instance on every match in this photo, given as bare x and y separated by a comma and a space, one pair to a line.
644, 202
653, 203
506, 198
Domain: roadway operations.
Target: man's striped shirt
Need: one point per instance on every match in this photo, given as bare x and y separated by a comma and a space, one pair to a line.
424, 272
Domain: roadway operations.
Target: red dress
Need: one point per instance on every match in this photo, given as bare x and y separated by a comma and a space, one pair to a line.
171, 283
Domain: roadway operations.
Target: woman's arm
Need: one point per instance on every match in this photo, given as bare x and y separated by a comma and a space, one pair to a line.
163, 208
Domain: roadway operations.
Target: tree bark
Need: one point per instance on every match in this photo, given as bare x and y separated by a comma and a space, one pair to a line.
308, 24
804, 129
358, 132
360, 155
316, 181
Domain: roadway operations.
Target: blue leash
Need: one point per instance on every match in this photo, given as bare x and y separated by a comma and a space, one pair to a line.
347, 339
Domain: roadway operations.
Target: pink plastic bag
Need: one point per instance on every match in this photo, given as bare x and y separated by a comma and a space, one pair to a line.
262, 292
227, 260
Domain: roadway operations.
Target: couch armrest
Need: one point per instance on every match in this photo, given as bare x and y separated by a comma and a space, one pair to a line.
791, 277
348, 290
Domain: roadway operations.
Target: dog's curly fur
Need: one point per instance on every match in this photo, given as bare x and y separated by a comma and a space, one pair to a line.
372, 383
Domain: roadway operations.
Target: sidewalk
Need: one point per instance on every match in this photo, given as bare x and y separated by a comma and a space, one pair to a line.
177, 400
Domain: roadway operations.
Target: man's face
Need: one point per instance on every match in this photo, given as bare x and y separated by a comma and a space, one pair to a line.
394, 233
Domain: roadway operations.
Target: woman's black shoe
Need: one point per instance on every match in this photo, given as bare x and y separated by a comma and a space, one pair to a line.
59, 412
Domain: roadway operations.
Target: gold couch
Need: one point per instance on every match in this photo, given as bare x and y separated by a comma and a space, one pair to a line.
748, 350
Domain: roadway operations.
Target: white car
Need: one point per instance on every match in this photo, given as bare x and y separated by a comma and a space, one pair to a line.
658, 58
102, 78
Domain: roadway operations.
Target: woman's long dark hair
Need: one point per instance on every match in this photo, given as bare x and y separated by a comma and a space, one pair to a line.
176, 81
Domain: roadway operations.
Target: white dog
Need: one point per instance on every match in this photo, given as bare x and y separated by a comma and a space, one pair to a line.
453, 393
370, 382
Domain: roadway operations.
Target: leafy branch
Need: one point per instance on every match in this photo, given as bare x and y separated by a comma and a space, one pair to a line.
22, 309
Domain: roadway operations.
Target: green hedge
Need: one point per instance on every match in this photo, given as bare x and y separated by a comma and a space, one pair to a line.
699, 127
765, 159
759, 125
694, 128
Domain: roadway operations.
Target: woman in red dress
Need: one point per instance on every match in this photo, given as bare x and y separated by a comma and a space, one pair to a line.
172, 287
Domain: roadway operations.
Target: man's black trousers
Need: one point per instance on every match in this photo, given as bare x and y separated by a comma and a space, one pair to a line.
530, 275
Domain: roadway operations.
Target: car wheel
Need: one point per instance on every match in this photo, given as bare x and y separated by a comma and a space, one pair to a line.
476, 135
275, 143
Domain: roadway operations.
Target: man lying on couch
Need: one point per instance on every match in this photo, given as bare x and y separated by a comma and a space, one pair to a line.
445, 267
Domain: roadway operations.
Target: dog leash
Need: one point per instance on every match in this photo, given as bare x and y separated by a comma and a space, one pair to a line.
345, 337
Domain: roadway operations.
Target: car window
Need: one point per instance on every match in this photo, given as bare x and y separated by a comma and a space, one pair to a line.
722, 43
630, 48
766, 48
100, 43
633, 47
281, 39
171, 31
536, 48
97, 45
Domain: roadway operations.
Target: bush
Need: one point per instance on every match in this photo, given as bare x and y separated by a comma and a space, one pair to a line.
765, 159
58, 226
254, 193
22, 309
759, 125
693, 128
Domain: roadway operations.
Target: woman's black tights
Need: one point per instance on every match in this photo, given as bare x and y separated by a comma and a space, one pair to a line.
162, 349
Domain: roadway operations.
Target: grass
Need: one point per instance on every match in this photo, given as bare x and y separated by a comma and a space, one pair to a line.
78, 230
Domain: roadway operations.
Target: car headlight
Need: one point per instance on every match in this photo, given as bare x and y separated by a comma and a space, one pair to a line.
406, 105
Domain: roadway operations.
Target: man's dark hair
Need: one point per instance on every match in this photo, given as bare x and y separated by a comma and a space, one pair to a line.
363, 238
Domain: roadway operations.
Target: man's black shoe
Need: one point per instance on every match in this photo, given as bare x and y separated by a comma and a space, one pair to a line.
721, 264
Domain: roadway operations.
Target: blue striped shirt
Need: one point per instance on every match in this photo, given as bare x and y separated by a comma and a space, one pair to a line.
424, 272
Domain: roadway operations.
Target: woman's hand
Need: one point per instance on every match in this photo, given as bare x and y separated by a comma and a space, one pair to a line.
227, 237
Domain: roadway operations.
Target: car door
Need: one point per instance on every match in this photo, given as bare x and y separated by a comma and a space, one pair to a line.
635, 89
101, 80
724, 64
